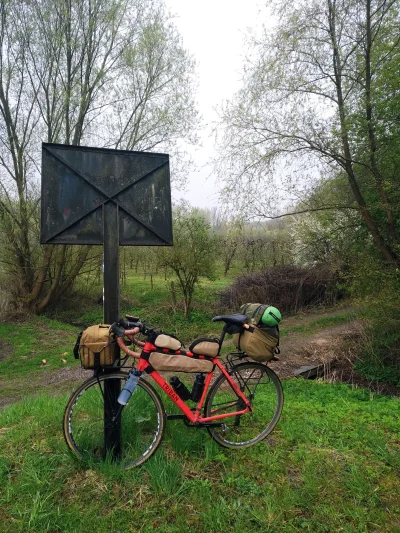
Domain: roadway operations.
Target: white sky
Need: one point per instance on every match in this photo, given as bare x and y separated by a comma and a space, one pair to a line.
213, 31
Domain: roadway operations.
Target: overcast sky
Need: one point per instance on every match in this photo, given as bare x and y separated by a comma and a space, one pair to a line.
213, 31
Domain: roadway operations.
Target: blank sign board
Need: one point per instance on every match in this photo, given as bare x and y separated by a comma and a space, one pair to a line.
77, 181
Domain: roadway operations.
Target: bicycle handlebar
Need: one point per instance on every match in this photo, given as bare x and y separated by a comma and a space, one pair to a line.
129, 325
119, 327
126, 328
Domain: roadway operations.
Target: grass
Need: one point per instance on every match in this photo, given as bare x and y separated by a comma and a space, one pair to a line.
313, 326
332, 464
152, 302
34, 340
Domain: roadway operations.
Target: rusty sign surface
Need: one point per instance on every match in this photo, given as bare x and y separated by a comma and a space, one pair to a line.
77, 181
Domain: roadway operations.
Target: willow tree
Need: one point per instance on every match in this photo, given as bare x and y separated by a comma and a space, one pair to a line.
105, 73
320, 99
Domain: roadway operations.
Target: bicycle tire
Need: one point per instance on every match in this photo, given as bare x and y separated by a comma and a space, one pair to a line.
245, 430
142, 421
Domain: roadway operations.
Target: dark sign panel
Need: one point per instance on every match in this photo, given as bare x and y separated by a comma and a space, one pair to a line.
77, 181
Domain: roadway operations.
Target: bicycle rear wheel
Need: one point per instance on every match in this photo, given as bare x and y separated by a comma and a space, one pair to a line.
142, 420
262, 388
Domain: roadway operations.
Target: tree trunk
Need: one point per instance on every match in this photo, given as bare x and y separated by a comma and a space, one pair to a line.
386, 250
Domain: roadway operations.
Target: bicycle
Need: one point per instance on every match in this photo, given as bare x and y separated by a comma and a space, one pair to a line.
241, 406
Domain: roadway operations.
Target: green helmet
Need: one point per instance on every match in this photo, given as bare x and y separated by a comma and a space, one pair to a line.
271, 317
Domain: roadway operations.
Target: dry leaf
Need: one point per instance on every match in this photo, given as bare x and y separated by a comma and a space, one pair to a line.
63, 361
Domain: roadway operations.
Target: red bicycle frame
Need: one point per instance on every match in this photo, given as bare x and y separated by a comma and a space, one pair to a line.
194, 417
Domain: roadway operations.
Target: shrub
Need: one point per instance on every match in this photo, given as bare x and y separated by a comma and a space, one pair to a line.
290, 288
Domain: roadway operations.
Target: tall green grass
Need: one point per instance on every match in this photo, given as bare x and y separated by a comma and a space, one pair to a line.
332, 464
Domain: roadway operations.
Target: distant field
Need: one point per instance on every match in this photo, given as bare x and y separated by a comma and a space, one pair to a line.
150, 299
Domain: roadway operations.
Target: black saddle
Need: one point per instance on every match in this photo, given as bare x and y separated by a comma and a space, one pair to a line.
237, 320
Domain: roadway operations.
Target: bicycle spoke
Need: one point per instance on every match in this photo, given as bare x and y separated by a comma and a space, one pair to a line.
142, 420
263, 390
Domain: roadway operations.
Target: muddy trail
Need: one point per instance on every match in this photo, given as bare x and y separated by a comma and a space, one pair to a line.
307, 342
330, 340
330, 352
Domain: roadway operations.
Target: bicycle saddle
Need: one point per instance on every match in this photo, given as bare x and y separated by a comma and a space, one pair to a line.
231, 319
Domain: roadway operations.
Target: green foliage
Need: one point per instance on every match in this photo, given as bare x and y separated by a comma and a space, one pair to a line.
381, 352
374, 370
193, 252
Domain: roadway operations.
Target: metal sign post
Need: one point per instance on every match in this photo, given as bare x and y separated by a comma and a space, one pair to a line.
108, 197
112, 429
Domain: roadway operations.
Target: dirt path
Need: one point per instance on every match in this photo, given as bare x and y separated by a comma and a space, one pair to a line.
327, 347
335, 348
323, 346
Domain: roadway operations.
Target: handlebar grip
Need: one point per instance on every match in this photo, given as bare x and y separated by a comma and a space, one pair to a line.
117, 329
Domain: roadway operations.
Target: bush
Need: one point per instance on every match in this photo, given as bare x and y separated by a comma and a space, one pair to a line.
380, 359
290, 288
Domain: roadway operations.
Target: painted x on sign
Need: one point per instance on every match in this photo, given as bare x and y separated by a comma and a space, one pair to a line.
78, 181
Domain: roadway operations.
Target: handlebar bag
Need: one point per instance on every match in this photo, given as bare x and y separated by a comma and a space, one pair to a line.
96, 347
257, 344
179, 363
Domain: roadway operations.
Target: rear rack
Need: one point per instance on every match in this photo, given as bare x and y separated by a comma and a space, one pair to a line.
233, 357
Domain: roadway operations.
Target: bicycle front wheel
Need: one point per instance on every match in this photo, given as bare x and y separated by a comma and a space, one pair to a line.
141, 421
262, 388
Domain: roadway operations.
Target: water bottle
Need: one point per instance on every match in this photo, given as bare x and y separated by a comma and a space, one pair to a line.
129, 389
198, 387
180, 388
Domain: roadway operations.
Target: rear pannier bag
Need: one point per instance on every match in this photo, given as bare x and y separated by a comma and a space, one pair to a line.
204, 346
179, 363
257, 344
96, 347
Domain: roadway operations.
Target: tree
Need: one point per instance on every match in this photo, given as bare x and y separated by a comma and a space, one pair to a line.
315, 102
70, 70
193, 252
